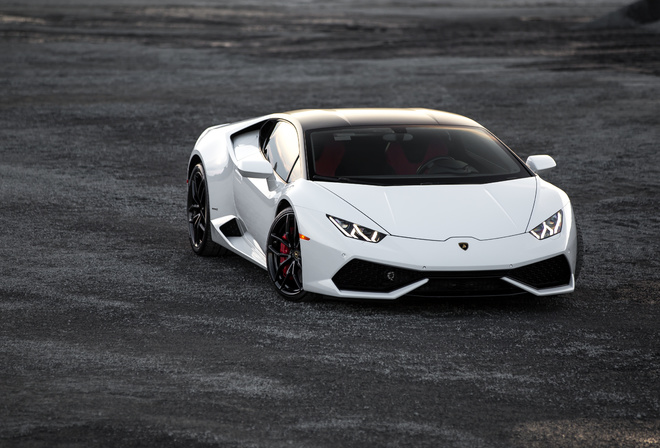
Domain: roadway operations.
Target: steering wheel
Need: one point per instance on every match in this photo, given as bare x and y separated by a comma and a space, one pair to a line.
449, 164
429, 163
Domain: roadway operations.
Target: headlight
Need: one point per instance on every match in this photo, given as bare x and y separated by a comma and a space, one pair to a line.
356, 231
549, 227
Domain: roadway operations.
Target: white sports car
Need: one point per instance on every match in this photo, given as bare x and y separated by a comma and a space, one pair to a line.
380, 204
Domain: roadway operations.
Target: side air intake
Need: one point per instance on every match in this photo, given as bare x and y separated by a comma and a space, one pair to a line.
231, 228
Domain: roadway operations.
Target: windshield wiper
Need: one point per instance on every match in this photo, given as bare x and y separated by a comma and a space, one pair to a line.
329, 178
349, 180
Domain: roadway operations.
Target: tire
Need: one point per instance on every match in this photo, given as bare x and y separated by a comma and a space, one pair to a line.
579, 258
284, 257
199, 222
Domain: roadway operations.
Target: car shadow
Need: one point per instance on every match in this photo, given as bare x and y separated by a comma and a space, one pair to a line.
521, 304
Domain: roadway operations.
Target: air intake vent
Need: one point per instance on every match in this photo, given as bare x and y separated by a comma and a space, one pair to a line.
544, 274
231, 228
360, 275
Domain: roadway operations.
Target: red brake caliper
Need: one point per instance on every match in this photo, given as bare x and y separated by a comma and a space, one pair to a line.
284, 250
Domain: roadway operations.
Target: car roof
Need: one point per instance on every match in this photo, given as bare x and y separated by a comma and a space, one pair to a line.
330, 118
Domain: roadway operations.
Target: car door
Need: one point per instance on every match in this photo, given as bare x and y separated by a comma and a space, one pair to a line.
256, 199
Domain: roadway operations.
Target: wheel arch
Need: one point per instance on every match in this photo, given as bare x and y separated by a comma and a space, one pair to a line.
194, 161
284, 203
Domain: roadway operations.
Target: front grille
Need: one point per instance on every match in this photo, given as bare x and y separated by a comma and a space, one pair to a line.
364, 276
466, 287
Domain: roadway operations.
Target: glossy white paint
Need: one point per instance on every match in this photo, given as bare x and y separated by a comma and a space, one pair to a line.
549, 199
423, 224
540, 163
439, 212
254, 167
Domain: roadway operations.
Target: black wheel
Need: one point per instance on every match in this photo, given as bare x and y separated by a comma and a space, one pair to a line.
580, 250
199, 223
284, 257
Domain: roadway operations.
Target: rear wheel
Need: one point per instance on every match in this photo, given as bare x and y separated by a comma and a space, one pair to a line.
199, 222
284, 257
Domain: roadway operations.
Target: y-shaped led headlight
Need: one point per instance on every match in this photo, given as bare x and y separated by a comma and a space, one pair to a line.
356, 231
549, 227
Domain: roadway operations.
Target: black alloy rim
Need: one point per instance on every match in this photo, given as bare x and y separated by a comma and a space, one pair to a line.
285, 260
197, 209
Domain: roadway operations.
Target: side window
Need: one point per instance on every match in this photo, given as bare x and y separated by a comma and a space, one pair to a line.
282, 150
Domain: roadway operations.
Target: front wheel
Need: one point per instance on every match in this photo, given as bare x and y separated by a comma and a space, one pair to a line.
580, 250
284, 257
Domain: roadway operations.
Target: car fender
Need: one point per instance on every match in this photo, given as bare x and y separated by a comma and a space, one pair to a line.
549, 199
309, 198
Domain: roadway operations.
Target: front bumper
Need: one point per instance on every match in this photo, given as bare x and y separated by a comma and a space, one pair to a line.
341, 267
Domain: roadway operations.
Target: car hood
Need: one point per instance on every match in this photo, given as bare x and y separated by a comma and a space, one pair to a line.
439, 212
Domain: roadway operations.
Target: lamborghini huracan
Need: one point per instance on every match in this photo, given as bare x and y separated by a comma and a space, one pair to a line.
381, 204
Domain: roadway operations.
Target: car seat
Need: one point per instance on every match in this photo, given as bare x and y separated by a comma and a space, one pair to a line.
327, 159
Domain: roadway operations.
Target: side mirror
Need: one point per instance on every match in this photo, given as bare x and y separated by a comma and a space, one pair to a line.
540, 163
260, 169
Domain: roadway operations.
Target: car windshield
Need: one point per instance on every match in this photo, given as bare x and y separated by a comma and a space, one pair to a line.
410, 155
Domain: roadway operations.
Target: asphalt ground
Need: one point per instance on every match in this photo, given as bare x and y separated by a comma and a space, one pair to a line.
112, 333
